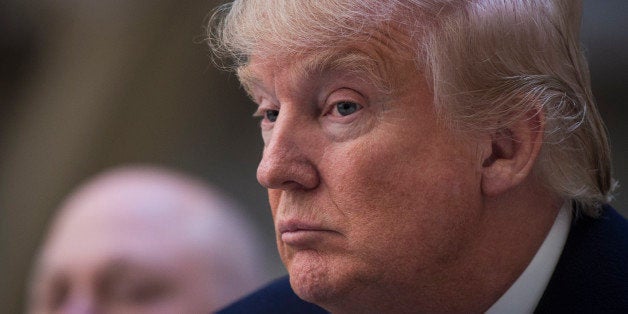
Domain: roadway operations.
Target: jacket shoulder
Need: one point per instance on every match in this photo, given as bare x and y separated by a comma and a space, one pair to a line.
276, 297
592, 273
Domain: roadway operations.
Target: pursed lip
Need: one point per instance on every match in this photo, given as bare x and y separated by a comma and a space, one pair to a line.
301, 233
297, 225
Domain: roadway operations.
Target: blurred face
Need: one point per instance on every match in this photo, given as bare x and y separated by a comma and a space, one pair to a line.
108, 261
370, 193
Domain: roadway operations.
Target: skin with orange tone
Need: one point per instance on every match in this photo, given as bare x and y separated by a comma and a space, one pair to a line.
379, 206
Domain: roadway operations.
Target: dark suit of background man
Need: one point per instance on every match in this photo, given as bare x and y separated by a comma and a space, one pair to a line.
429, 156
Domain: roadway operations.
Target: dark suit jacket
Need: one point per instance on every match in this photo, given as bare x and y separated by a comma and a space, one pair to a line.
591, 275
592, 272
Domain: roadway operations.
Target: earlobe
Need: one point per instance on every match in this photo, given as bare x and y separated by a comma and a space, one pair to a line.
513, 152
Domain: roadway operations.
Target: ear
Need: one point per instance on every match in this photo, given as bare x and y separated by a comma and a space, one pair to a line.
512, 154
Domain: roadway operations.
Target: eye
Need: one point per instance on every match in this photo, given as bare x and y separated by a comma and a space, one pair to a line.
140, 290
271, 115
345, 108
145, 293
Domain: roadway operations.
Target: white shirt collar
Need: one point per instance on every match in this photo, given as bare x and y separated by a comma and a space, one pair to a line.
526, 292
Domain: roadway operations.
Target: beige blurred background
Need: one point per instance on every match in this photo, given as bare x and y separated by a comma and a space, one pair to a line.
87, 84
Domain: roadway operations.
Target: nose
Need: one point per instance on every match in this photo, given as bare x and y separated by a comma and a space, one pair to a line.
287, 160
78, 304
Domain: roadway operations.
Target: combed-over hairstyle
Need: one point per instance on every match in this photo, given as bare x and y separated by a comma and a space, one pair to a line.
489, 63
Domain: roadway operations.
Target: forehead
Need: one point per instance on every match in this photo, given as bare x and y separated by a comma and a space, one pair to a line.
88, 239
98, 230
381, 57
259, 72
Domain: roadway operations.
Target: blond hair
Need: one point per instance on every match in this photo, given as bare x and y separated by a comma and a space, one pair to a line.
489, 63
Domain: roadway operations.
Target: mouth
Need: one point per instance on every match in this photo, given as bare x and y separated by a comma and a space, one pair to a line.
303, 234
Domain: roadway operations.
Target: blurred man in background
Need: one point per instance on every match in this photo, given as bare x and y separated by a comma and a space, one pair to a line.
144, 240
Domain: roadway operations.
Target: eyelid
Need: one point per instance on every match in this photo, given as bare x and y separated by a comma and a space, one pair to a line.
259, 113
343, 95
262, 107
346, 94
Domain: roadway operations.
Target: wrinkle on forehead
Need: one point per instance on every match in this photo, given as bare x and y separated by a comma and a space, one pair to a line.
376, 56
349, 62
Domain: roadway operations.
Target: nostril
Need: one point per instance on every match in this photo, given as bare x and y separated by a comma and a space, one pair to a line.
291, 185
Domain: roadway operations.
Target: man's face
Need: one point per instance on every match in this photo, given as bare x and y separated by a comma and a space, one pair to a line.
115, 261
369, 190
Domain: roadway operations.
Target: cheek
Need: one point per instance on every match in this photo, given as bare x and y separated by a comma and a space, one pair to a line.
404, 191
372, 175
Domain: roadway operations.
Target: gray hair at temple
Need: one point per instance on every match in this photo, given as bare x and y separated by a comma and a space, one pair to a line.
489, 63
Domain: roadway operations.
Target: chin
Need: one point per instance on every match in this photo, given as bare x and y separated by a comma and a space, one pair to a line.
312, 277
326, 280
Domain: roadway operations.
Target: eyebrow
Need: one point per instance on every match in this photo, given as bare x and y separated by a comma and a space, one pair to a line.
351, 62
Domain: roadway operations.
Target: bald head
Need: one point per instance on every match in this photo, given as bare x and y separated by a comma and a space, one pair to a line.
145, 240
